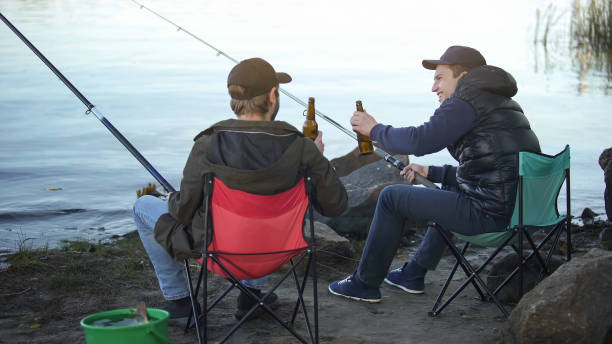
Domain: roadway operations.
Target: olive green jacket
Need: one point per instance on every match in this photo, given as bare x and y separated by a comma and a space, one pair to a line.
181, 230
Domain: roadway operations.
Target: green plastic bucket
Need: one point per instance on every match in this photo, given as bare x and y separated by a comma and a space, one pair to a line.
155, 331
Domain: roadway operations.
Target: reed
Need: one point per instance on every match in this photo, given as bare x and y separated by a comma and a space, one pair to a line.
591, 34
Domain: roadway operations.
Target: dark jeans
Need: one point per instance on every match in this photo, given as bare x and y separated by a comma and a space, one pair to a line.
398, 203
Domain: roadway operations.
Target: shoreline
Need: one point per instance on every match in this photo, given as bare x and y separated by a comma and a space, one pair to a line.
46, 292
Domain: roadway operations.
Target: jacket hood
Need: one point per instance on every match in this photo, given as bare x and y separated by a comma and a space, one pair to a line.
489, 79
272, 127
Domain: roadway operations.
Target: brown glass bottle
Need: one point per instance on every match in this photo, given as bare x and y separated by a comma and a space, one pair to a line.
365, 144
310, 128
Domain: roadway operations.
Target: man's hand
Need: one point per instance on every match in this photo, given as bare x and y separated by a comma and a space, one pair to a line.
409, 172
362, 122
319, 141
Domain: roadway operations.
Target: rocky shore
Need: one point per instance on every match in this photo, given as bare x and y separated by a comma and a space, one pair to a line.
45, 293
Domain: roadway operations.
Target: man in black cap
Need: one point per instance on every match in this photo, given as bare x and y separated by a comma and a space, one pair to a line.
483, 129
253, 153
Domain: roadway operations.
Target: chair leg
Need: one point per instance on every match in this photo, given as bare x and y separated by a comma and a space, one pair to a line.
554, 245
193, 299
455, 251
300, 300
260, 301
473, 276
543, 265
448, 281
557, 233
301, 290
315, 293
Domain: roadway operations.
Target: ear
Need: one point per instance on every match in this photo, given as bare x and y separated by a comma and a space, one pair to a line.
461, 75
272, 95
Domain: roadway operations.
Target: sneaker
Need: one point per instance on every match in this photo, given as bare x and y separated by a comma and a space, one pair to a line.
180, 310
413, 283
354, 289
246, 302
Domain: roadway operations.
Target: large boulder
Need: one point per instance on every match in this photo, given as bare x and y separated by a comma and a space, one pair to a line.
352, 161
363, 187
570, 306
503, 267
332, 248
605, 161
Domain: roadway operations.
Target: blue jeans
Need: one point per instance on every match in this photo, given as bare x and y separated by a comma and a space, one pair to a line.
399, 203
170, 273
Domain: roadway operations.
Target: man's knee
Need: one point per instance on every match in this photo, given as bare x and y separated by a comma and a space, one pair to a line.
142, 203
391, 193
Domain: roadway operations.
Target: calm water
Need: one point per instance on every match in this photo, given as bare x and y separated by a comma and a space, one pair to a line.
160, 87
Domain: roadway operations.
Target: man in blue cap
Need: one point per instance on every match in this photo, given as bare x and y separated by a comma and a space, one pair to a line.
483, 129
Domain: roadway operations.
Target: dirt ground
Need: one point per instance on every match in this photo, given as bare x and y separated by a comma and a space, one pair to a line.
45, 294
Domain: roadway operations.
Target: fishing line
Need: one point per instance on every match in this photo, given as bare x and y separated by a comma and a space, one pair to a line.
377, 150
91, 108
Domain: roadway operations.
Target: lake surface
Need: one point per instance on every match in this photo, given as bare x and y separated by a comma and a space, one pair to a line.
161, 87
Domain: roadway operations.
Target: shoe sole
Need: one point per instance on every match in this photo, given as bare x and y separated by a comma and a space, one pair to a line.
353, 297
410, 291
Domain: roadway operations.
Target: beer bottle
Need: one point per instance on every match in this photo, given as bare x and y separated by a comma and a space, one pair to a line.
310, 129
365, 144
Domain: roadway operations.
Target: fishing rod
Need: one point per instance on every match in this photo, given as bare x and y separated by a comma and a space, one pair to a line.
91, 108
377, 150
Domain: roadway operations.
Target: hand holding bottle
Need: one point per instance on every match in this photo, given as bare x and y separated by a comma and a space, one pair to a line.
362, 122
319, 141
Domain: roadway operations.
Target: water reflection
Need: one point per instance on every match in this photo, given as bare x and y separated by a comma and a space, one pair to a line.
584, 36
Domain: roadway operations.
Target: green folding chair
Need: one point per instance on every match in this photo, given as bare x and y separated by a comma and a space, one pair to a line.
540, 180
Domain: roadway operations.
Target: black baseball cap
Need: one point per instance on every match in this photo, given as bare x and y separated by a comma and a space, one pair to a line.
457, 54
256, 76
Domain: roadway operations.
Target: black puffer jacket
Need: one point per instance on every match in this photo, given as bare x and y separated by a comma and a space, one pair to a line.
488, 154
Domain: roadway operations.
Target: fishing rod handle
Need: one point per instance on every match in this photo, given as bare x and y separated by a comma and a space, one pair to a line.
400, 166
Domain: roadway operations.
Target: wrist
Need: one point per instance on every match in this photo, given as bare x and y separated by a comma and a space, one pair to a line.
369, 133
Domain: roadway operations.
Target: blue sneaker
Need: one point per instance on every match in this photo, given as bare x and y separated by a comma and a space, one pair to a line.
408, 278
354, 289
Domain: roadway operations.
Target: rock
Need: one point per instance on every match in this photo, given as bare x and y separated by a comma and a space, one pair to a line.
605, 161
570, 306
332, 248
363, 187
605, 234
606, 238
132, 234
352, 161
588, 216
531, 274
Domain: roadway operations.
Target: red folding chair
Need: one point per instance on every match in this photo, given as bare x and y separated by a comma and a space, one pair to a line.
254, 235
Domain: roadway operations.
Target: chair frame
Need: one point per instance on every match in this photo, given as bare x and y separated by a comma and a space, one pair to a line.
308, 253
519, 230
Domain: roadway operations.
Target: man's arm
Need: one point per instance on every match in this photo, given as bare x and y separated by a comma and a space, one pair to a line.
447, 175
183, 204
453, 119
331, 198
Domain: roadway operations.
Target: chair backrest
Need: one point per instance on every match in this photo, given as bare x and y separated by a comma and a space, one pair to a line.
253, 235
542, 177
